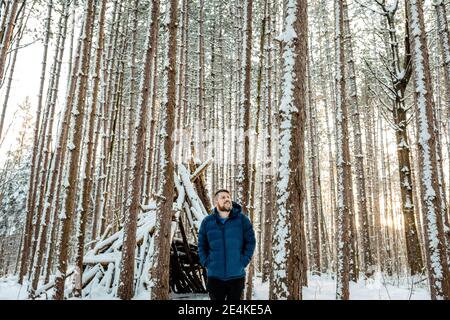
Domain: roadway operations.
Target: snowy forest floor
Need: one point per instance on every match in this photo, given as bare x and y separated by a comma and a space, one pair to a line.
319, 288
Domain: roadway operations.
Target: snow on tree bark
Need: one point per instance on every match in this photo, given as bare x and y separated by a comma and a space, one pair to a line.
444, 40
358, 150
268, 177
314, 167
342, 160
290, 191
126, 281
49, 188
87, 174
74, 146
399, 83
243, 132
36, 159
160, 268
425, 118
6, 37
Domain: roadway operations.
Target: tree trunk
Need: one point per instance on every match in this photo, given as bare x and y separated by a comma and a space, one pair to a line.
42, 238
342, 161
358, 150
268, 176
126, 290
87, 176
35, 161
160, 269
74, 148
287, 247
6, 37
438, 271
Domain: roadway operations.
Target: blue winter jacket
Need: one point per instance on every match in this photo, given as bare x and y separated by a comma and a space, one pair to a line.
225, 249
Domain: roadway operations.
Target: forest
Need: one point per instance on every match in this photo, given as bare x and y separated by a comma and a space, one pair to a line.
329, 122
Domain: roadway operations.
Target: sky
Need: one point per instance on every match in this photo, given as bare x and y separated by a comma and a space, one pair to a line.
26, 81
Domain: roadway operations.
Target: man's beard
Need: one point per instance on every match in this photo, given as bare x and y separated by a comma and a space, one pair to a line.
224, 208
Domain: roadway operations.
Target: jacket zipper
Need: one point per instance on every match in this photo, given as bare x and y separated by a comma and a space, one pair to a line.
224, 250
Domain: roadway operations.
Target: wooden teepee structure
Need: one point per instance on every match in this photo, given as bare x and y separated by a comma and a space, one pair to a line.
102, 262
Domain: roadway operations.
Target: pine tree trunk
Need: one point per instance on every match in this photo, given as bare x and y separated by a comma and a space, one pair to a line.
11, 72
126, 290
444, 40
342, 161
287, 247
87, 175
60, 159
42, 238
74, 148
359, 157
153, 119
437, 263
160, 269
47, 130
268, 176
35, 161
6, 36
314, 214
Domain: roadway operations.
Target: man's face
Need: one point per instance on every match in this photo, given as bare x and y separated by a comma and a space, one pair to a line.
223, 202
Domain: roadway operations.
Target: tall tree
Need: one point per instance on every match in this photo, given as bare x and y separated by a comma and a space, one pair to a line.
290, 191
126, 290
444, 41
20, 33
268, 170
74, 147
438, 271
399, 75
53, 93
6, 34
358, 149
244, 173
342, 159
87, 174
32, 186
160, 269
243, 182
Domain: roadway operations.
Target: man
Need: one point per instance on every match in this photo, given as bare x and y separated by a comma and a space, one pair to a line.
226, 242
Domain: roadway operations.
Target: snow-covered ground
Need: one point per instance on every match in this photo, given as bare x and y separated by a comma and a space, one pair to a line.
379, 288
319, 288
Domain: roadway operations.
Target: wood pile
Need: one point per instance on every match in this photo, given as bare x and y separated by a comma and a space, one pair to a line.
102, 263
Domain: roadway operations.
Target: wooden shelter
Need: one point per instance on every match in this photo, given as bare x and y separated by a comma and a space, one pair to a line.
102, 262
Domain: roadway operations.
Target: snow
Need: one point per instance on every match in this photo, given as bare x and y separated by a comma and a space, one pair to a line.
11, 290
199, 210
391, 7
320, 288
149, 207
101, 258
323, 288
282, 235
405, 169
403, 144
408, 204
424, 128
340, 158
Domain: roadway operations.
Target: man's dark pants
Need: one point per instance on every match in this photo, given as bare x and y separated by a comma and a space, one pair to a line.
226, 290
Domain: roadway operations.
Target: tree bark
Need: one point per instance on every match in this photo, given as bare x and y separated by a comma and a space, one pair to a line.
438, 271
126, 290
342, 161
287, 255
160, 268
74, 148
